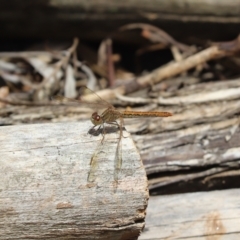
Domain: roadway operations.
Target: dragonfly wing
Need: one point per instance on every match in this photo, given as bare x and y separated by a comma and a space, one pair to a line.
118, 159
77, 102
93, 165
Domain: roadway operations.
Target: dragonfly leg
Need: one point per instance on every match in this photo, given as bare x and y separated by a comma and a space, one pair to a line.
103, 132
120, 126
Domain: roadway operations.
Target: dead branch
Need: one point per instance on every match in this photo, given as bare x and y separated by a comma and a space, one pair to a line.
170, 70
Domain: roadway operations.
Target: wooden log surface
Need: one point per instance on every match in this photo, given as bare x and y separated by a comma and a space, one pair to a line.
44, 191
211, 215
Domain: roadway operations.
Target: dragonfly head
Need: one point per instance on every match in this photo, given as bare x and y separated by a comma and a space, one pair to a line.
96, 119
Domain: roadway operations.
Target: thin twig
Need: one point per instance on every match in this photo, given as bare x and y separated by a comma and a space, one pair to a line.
155, 34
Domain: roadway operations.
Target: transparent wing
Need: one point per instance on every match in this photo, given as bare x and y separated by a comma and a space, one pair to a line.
94, 164
97, 103
118, 160
91, 96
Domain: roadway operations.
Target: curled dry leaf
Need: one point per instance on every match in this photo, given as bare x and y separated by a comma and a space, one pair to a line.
70, 83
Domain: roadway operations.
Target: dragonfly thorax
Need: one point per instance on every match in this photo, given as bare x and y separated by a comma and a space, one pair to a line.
96, 119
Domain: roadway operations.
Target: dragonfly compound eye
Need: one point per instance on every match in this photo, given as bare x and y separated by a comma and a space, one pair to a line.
96, 117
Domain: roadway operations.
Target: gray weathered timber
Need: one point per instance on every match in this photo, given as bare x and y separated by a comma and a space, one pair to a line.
203, 215
44, 192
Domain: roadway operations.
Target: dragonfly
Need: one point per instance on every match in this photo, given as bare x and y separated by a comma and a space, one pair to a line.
111, 116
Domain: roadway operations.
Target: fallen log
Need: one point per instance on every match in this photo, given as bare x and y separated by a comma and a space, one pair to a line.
45, 191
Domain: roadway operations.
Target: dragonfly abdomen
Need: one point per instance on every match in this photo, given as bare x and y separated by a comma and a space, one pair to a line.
134, 114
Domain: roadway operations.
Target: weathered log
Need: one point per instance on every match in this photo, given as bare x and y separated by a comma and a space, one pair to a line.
201, 215
45, 192
204, 138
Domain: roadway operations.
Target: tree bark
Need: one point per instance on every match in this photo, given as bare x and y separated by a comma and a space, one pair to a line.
45, 190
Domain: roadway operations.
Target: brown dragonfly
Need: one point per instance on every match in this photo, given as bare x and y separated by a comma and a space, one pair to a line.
110, 116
